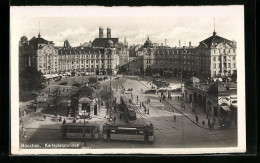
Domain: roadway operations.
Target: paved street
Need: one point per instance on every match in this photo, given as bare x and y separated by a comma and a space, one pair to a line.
168, 134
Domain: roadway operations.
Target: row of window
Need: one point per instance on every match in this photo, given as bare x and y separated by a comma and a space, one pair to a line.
225, 58
225, 65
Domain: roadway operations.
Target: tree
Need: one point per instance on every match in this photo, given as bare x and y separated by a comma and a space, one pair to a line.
31, 78
92, 80
56, 98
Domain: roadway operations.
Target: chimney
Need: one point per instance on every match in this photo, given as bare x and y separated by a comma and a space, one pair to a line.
162, 44
165, 42
189, 44
101, 32
179, 43
108, 32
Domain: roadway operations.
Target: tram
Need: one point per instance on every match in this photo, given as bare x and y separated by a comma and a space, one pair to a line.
133, 132
128, 107
76, 131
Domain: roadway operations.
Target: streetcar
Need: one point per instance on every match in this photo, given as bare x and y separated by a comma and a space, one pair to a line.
128, 107
78, 130
133, 132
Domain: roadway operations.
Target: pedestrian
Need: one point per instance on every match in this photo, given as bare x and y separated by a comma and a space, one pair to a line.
144, 110
64, 121
178, 98
114, 119
174, 118
184, 107
212, 125
147, 110
214, 120
44, 117
55, 114
140, 104
197, 119
74, 120
203, 123
209, 122
60, 119
160, 100
23, 132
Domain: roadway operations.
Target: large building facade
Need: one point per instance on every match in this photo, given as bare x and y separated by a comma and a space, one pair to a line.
214, 57
103, 56
167, 59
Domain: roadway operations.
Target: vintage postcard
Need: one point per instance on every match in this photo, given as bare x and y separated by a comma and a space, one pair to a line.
127, 80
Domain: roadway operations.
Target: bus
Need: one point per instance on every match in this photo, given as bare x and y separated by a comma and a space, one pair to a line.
129, 132
76, 131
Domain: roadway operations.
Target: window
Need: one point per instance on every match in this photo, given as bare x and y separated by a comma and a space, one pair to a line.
229, 65
234, 65
234, 50
214, 58
214, 65
214, 73
234, 58
225, 65
218, 58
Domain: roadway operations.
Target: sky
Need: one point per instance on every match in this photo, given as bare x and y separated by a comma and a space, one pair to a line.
81, 24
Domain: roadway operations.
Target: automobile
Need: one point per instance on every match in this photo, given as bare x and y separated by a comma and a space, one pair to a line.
162, 90
156, 75
170, 88
150, 91
128, 92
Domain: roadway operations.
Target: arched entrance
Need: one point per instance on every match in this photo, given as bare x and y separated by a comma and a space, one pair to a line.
195, 97
199, 100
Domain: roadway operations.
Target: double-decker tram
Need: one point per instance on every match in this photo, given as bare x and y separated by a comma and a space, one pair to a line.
133, 132
78, 130
128, 107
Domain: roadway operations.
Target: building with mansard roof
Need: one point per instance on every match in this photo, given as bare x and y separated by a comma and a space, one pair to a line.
104, 54
216, 56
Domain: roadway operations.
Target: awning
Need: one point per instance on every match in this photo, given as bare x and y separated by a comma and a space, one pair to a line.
55, 75
48, 76
226, 108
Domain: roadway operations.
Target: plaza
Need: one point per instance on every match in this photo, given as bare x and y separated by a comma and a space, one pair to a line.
169, 133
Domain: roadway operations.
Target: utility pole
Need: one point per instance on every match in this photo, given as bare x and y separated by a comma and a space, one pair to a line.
110, 92
84, 127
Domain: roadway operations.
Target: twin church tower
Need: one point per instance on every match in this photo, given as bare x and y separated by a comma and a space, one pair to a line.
101, 34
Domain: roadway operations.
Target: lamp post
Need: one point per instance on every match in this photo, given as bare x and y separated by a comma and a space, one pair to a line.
84, 127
